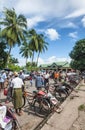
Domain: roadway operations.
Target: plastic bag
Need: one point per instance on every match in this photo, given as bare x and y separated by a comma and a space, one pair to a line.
5, 91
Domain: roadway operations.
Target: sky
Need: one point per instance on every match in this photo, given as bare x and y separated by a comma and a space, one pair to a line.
61, 21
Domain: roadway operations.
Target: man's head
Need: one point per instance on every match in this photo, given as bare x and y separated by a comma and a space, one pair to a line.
15, 74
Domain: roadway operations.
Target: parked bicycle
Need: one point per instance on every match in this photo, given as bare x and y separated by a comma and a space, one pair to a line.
36, 101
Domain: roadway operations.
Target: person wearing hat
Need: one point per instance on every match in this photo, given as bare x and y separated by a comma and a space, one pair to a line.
17, 93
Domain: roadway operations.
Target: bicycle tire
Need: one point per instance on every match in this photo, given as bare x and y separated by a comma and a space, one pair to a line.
63, 94
15, 125
42, 108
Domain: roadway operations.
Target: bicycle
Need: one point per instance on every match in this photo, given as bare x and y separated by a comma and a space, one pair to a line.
27, 99
42, 106
37, 101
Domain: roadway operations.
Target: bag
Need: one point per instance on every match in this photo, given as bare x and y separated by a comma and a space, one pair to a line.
5, 91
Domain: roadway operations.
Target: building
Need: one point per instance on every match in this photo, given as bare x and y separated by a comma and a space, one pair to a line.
65, 66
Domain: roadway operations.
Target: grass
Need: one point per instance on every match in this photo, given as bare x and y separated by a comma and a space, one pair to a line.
81, 107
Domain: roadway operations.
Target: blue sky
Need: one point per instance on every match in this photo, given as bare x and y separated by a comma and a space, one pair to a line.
61, 21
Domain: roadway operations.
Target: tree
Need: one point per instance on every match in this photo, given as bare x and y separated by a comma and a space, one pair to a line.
25, 50
13, 60
3, 54
14, 28
33, 41
78, 55
42, 45
37, 43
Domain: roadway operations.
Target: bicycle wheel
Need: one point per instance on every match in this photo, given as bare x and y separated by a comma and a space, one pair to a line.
15, 125
42, 108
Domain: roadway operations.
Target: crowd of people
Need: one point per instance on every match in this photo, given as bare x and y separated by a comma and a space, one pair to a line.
15, 82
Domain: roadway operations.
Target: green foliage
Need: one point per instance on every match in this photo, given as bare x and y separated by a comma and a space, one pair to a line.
15, 32
13, 60
78, 55
3, 54
31, 66
25, 50
14, 28
81, 107
14, 67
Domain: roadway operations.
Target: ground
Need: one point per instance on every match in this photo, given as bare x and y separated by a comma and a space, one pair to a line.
73, 108
79, 123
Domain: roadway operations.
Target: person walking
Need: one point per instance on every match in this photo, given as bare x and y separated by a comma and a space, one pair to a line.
4, 79
1, 86
10, 89
46, 78
17, 93
38, 81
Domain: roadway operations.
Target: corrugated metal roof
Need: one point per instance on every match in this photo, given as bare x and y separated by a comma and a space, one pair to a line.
56, 64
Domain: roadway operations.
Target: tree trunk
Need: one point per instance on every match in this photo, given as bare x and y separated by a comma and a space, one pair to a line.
37, 58
32, 60
8, 57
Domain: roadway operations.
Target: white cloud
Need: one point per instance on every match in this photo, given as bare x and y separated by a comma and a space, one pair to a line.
39, 10
40, 7
22, 61
52, 34
70, 25
49, 60
76, 13
47, 8
53, 59
83, 21
32, 22
73, 35
54, 8
41, 61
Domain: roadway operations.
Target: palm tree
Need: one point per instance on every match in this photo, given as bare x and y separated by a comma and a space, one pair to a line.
42, 45
33, 41
13, 60
25, 51
14, 28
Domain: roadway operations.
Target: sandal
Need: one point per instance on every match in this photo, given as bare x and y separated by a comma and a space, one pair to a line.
59, 110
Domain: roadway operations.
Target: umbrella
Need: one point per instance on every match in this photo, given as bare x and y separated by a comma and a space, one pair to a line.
8, 69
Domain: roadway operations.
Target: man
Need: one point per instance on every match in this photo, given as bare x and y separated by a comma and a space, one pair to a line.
21, 75
38, 81
56, 76
17, 93
46, 78
4, 77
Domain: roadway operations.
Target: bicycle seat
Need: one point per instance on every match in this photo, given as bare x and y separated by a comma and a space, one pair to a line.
41, 92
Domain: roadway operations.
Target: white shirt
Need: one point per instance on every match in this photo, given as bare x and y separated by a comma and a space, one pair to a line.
46, 76
17, 82
22, 76
4, 77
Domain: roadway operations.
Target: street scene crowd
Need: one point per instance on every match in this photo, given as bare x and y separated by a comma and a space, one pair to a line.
52, 87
